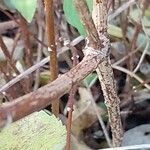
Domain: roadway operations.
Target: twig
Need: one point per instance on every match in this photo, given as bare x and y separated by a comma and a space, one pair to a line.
16, 39
38, 65
8, 56
71, 100
147, 45
69, 119
25, 35
28, 51
52, 48
131, 74
128, 55
40, 46
121, 9
142, 57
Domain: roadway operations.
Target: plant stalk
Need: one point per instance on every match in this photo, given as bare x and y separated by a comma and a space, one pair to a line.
52, 48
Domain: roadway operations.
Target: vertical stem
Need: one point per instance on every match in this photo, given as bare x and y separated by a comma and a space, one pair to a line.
26, 38
71, 100
40, 16
105, 73
98, 40
52, 48
28, 51
69, 120
7, 55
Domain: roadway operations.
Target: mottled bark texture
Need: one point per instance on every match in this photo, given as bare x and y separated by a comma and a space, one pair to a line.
97, 36
105, 73
41, 98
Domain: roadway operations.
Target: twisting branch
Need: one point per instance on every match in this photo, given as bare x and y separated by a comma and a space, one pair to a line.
41, 98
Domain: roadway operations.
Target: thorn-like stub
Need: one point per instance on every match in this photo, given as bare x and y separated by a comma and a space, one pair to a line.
69, 108
49, 49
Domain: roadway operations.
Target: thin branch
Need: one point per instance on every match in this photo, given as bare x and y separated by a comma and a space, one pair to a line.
121, 9
131, 74
28, 51
71, 100
8, 56
38, 65
129, 54
148, 41
40, 37
52, 48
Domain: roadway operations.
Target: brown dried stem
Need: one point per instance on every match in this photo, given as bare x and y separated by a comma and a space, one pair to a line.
71, 100
28, 51
8, 56
52, 48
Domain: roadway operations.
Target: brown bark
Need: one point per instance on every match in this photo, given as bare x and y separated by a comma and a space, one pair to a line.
41, 98
98, 39
52, 47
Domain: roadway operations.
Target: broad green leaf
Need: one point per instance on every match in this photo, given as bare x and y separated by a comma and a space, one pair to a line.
72, 17
25, 7
90, 79
38, 131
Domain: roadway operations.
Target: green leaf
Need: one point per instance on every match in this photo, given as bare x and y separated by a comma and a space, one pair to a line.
114, 31
25, 7
73, 18
38, 131
72, 15
90, 80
